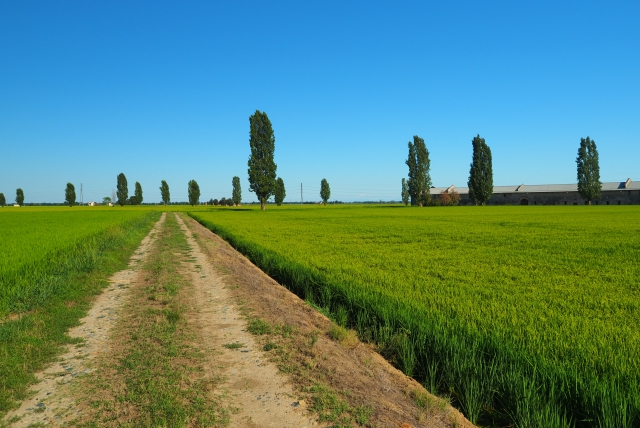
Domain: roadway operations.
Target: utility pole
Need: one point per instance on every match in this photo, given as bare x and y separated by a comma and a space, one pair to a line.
81, 194
301, 201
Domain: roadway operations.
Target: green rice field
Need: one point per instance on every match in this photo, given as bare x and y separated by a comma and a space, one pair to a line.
40, 246
525, 316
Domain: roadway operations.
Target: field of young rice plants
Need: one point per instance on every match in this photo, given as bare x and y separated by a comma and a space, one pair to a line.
525, 316
40, 246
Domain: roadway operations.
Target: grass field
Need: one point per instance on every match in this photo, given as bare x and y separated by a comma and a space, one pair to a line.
41, 245
52, 261
525, 315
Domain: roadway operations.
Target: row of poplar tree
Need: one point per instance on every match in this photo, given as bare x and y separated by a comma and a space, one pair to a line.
264, 182
262, 174
417, 187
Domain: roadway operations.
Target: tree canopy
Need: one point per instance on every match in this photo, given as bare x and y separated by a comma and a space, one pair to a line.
138, 193
236, 193
280, 192
122, 189
325, 191
589, 185
194, 193
262, 168
481, 174
164, 192
70, 194
19, 196
419, 177
3, 200
405, 192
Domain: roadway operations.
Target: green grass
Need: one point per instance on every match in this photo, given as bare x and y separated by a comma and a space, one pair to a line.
56, 285
42, 246
233, 345
525, 315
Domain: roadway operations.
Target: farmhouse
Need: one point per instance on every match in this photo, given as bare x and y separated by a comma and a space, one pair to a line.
613, 193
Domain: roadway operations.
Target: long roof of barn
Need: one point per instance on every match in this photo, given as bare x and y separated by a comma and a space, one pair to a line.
538, 188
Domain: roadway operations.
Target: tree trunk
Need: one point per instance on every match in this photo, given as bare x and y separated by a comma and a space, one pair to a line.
262, 204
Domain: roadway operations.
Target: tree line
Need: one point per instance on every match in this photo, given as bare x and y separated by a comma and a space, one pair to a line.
417, 188
263, 180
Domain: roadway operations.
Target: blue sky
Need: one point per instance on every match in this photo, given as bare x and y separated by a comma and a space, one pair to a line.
163, 90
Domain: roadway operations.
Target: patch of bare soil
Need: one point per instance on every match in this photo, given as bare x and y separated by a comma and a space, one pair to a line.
53, 402
354, 370
260, 395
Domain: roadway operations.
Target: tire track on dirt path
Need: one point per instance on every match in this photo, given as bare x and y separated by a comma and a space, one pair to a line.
263, 396
53, 402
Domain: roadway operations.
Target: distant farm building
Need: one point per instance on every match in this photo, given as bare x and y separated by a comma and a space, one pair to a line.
613, 193
92, 204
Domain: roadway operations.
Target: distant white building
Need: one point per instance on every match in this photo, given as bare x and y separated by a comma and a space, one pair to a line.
92, 204
16, 205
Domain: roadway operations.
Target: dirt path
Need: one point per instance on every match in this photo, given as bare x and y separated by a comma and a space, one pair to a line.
262, 396
53, 403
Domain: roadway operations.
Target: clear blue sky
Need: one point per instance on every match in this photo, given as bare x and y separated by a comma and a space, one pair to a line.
163, 90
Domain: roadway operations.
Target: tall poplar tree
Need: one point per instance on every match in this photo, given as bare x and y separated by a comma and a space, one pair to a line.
19, 196
481, 174
325, 191
419, 177
194, 193
236, 193
164, 192
589, 185
138, 193
262, 168
405, 192
70, 194
3, 200
280, 192
122, 191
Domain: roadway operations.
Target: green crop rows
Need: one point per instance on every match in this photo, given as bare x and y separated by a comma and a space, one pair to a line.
525, 316
41, 246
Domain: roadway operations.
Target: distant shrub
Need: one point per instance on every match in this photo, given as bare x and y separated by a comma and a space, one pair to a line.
449, 199
444, 198
455, 197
